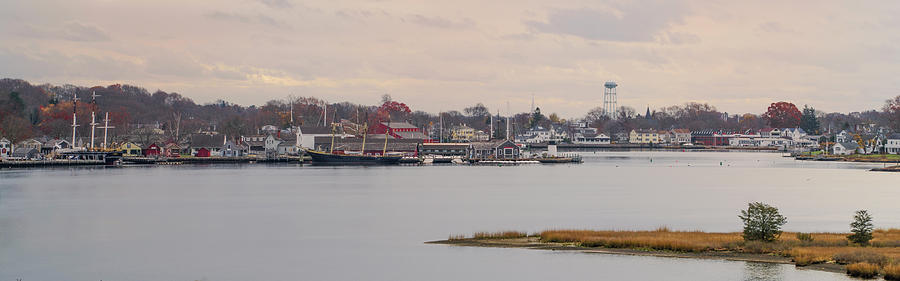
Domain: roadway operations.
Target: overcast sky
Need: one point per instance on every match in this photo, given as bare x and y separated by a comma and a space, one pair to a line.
737, 55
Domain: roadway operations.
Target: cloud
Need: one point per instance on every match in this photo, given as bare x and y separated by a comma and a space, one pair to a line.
246, 19
774, 27
71, 31
440, 22
631, 22
277, 4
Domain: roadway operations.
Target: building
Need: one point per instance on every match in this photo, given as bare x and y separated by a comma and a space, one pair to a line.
172, 149
401, 130
541, 135
590, 138
497, 149
845, 148
206, 145
793, 133
757, 140
680, 136
5, 148
444, 149
50, 146
374, 145
711, 137
643, 136
152, 150
307, 138
664, 137
26, 153
130, 149
30, 143
843, 136
462, 133
770, 133
892, 144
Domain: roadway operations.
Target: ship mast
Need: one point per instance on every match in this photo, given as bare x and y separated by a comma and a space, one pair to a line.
93, 116
74, 123
106, 128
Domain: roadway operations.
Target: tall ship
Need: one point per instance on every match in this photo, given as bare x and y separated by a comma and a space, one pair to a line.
356, 158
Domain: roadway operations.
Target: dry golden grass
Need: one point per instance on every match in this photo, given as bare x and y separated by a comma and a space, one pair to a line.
862, 270
661, 239
892, 272
500, 235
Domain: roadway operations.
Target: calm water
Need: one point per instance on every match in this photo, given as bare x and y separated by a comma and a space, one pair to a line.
291, 222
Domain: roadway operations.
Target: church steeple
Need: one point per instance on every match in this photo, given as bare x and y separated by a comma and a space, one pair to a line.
648, 113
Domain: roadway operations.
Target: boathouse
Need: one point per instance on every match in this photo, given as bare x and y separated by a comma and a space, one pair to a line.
130, 149
497, 149
152, 150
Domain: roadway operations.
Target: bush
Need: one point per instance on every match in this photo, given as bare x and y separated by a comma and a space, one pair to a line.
804, 237
762, 222
892, 272
863, 270
861, 227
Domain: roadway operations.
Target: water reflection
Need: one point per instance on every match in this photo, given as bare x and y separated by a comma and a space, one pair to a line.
757, 271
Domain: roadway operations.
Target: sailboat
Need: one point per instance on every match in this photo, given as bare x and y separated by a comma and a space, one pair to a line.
331, 158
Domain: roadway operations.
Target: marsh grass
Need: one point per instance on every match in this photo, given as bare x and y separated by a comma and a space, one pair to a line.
500, 235
892, 272
862, 270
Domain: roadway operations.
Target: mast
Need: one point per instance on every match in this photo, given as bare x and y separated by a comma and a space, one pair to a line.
331, 148
442, 126
74, 123
106, 128
362, 151
325, 115
386, 130
93, 116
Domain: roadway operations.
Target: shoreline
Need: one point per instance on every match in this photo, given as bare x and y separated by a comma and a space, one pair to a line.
534, 243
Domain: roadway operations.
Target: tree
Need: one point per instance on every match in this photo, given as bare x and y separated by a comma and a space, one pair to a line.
761, 222
478, 110
892, 110
808, 121
783, 115
536, 118
861, 227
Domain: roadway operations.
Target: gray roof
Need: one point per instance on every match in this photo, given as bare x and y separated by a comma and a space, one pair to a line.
24, 152
208, 141
317, 130
894, 136
490, 144
399, 125
411, 135
849, 145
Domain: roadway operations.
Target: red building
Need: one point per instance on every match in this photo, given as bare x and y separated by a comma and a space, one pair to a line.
401, 130
711, 137
202, 152
152, 150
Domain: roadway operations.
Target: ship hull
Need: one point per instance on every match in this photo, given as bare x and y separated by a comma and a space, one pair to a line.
325, 158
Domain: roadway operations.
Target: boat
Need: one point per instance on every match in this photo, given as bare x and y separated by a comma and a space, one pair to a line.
321, 157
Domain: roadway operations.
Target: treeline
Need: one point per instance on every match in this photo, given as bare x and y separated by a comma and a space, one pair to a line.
28, 110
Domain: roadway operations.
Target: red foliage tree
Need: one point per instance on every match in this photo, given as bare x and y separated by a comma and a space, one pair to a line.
389, 111
782, 115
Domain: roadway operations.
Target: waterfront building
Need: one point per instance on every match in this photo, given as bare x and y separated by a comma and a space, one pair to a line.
590, 138
843, 136
401, 130
541, 135
206, 145
711, 137
30, 143
374, 145
50, 146
5, 148
308, 135
892, 144
444, 149
496, 149
152, 150
845, 148
643, 136
770, 132
680, 136
26, 153
130, 149
462, 133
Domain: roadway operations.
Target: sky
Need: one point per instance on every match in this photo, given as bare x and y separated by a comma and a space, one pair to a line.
740, 56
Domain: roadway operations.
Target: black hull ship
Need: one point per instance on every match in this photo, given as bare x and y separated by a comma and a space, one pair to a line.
325, 158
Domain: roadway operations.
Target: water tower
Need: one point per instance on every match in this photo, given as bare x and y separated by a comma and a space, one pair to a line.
610, 101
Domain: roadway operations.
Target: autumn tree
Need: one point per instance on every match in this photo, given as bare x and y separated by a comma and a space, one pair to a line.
782, 115
892, 110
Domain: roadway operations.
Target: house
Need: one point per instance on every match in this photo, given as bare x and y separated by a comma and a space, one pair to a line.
30, 143
130, 149
307, 138
54, 145
757, 140
26, 153
770, 133
711, 137
664, 136
643, 136
5, 148
152, 150
540, 135
589, 138
444, 149
172, 149
845, 148
793, 133
212, 144
843, 136
462, 133
680, 136
497, 149
892, 144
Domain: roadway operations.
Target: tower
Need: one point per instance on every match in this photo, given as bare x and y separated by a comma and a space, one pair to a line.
610, 101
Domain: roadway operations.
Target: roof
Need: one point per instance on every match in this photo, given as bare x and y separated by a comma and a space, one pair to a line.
849, 145
399, 125
204, 140
894, 136
490, 144
4, 140
411, 135
681, 131
23, 152
763, 130
444, 145
316, 130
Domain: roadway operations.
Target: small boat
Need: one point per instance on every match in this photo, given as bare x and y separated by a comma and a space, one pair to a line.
319, 157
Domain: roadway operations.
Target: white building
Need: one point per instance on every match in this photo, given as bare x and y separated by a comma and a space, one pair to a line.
845, 148
892, 144
540, 135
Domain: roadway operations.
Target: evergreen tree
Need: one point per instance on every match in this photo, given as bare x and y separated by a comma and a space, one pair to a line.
808, 121
861, 227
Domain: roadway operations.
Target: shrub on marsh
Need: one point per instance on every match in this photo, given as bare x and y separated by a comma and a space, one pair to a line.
861, 227
762, 222
861, 255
